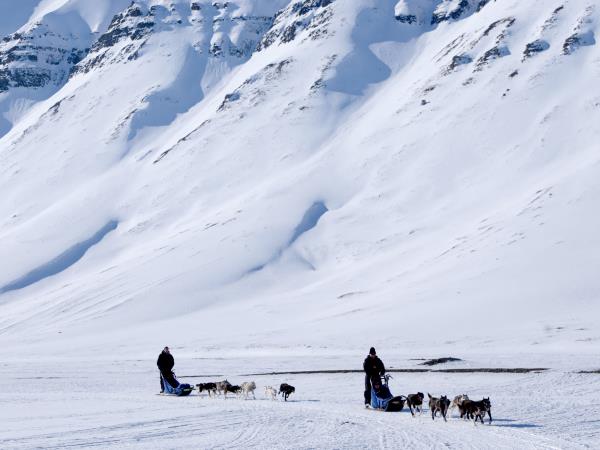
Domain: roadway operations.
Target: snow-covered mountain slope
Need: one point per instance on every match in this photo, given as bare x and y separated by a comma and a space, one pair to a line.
314, 172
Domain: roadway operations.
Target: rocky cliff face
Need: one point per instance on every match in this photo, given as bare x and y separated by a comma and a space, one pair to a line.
221, 31
456, 9
307, 19
43, 55
39, 56
131, 28
46, 54
434, 12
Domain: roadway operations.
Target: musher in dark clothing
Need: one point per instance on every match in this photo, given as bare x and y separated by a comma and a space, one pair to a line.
165, 363
373, 367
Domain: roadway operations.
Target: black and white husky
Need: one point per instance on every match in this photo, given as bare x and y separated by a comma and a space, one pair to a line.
415, 403
211, 388
476, 410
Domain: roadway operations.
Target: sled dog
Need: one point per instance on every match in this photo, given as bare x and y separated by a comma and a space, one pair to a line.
211, 388
476, 410
222, 387
438, 404
458, 400
415, 403
286, 390
234, 389
270, 391
247, 388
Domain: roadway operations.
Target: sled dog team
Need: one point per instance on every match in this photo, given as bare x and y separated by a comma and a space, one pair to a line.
374, 374
374, 370
468, 409
245, 389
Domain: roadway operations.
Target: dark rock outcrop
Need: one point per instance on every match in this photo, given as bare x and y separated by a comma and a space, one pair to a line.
406, 18
459, 60
490, 55
447, 11
435, 362
535, 47
577, 40
583, 34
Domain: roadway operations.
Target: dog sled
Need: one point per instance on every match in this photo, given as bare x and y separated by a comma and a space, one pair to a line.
181, 390
382, 398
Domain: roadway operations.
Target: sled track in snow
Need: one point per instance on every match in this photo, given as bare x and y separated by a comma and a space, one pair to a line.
83, 408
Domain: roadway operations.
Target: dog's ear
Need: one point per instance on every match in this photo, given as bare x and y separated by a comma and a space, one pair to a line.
428, 395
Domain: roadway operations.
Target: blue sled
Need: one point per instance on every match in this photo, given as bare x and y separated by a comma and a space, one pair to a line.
182, 390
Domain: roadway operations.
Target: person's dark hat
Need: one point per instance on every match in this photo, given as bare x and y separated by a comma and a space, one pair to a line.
372, 351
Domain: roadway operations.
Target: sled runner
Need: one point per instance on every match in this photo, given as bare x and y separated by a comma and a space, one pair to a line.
381, 397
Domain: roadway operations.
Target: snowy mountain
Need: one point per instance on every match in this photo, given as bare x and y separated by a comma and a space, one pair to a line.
271, 187
307, 172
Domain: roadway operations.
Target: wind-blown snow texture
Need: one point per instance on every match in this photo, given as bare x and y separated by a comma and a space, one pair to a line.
299, 174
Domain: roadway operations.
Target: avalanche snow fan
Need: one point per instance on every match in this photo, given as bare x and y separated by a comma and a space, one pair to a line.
382, 398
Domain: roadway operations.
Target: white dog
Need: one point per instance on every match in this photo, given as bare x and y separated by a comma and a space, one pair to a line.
247, 387
270, 391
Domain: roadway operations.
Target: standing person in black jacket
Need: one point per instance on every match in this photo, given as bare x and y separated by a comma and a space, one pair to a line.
165, 363
372, 366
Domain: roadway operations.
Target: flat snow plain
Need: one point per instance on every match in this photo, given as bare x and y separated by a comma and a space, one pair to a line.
108, 404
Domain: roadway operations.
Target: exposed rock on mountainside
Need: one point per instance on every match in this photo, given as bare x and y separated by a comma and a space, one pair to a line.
46, 54
459, 60
576, 40
456, 9
130, 30
448, 145
225, 19
413, 12
132, 26
39, 56
311, 16
534, 47
252, 95
583, 34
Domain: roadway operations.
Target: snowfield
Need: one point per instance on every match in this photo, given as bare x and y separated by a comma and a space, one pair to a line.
111, 404
277, 185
